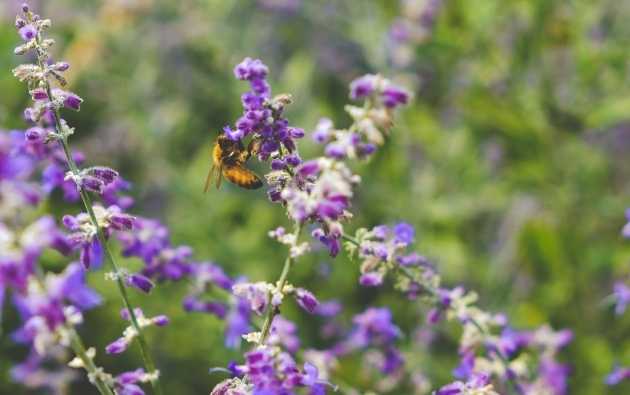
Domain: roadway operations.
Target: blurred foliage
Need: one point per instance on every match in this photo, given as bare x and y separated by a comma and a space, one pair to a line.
511, 162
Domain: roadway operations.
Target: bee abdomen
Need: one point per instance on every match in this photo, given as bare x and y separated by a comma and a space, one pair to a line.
242, 177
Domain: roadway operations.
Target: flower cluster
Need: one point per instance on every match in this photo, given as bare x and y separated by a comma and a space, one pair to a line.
488, 345
149, 240
84, 233
271, 371
372, 121
375, 330
49, 307
262, 117
261, 296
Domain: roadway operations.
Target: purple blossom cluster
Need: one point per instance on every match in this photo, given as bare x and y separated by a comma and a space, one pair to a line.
262, 119
489, 346
316, 194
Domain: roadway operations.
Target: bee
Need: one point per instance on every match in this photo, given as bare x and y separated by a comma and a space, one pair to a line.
228, 160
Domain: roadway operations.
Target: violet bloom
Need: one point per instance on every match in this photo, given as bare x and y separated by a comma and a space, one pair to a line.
127, 383
149, 241
621, 296
28, 32
270, 371
284, 333
320, 192
479, 384
363, 87
84, 236
237, 323
625, 231
50, 304
373, 326
383, 245
618, 375
306, 300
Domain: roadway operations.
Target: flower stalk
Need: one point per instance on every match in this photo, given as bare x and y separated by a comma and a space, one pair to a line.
77, 346
282, 281
62, 136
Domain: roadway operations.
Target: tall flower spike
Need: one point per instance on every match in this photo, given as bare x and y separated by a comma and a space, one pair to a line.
92, 229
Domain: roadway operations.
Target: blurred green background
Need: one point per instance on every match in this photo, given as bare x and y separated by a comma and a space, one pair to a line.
512, 161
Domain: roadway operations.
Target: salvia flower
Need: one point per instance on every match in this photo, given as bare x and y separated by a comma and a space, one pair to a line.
625, 231
270, 370
479, 384
618, 375
621, 297
84, 233
263, 118
48, 308
94, 179
257, 294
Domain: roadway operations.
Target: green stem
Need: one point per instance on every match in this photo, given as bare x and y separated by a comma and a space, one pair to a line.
275, 310
88, 363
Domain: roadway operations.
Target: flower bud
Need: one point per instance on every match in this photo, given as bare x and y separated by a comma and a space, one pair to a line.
140, 282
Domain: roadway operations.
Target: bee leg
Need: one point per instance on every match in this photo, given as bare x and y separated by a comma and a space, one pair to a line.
209, 178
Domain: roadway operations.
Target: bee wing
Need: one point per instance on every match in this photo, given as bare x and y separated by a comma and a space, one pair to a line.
209, 178
219, 176
242, 177
211, 174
